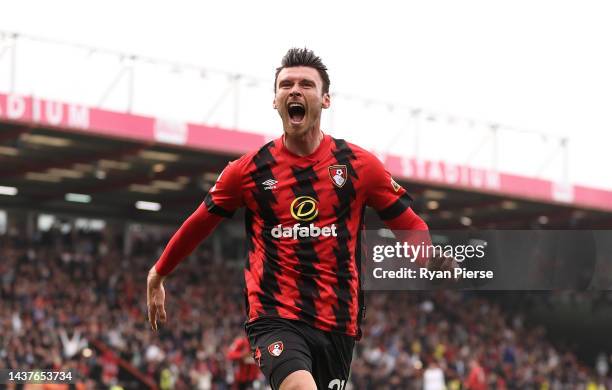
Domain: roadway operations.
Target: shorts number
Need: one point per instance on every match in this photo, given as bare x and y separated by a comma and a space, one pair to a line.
336, 384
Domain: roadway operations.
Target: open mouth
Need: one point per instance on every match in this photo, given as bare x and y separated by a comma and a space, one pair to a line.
296, 112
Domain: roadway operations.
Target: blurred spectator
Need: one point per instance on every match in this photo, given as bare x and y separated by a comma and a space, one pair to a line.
476, 379
246, 370
433, 377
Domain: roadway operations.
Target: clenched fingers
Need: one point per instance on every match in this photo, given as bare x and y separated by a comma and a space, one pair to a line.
153, 316
156, 296
155, 305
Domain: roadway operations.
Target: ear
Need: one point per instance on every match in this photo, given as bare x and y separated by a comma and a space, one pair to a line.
326, 100
274, 102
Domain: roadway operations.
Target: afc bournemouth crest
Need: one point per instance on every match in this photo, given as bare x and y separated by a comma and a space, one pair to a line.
338, 175
276, 348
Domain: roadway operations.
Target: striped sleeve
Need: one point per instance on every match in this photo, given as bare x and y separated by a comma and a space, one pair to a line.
195, 229
225, 197
383, 194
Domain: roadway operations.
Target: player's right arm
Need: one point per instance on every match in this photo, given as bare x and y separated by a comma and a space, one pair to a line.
221, 201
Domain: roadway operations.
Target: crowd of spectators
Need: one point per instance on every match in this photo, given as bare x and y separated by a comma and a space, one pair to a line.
61, 292
409, 333
76, 300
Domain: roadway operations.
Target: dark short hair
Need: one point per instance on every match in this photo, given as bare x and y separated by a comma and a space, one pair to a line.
303, 57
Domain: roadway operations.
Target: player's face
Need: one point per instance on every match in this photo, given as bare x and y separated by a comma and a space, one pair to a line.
299, 99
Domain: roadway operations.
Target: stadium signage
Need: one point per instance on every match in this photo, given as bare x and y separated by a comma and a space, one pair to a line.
452, 174
171, 131
32, 109
58, 115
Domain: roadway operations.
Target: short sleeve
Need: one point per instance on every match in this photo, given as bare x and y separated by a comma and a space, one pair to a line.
383, 194
225, 197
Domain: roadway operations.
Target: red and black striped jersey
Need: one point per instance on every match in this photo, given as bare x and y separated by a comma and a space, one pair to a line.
304, 216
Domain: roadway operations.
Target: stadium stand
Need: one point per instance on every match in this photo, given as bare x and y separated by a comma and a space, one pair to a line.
74, 300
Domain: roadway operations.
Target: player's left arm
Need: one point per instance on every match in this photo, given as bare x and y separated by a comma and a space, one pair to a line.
393, 205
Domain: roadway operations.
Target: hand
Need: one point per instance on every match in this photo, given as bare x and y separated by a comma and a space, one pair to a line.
444, 263
156, 296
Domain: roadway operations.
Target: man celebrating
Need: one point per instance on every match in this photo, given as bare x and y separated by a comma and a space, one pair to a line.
305, 195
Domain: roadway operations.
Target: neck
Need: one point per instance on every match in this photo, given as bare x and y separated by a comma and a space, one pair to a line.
303, 144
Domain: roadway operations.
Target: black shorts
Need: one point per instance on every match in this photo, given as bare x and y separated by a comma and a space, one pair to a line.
282, 346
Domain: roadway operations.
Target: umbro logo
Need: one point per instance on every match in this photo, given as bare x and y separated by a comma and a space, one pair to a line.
270, 184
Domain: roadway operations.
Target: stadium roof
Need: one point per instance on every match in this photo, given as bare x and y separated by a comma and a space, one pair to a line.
71, 159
